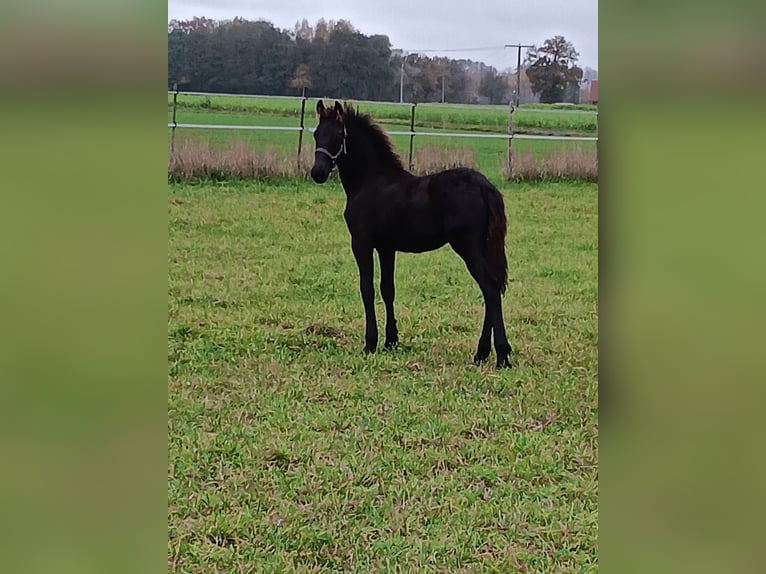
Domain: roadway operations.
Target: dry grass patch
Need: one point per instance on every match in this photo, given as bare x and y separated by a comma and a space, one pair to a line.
433, 159
198, 160
576, 164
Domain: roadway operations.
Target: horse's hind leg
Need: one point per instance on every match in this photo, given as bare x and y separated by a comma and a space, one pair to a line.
502, 346
485, 343
475, 260
388, 291
494, 308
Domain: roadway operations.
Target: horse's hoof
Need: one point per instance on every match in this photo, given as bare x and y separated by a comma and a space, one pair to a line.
391, 345
369, 349
479, 359
504, 363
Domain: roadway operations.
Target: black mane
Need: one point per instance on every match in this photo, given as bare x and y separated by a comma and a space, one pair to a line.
378, 139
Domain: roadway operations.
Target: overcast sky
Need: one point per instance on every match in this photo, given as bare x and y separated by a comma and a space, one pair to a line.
417, 25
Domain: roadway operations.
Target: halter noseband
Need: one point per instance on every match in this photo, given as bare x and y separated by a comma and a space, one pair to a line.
342, 149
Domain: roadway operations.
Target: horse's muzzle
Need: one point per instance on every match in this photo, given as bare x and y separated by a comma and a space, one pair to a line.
320, 173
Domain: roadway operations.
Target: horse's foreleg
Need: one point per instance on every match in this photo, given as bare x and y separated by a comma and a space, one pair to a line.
363, 256
388, 291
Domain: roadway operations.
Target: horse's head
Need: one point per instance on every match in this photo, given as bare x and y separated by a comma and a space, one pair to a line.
330, 138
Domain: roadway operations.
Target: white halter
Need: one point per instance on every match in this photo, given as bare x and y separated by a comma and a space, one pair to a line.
342, 149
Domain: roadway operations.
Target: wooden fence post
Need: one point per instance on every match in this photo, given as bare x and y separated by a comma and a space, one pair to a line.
412, 132
510, 140
173, 130
300, 133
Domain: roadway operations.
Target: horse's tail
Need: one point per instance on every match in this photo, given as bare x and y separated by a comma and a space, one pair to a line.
496, 230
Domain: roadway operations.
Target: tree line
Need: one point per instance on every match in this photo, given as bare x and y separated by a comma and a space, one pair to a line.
334, 59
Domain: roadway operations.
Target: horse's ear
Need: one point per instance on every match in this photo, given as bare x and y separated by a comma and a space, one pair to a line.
320, 108
339, 111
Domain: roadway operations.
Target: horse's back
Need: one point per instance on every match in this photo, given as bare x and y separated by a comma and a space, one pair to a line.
459, 197
460, 182
416, 214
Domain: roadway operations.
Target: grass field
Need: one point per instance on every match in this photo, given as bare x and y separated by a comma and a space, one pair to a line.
292, 451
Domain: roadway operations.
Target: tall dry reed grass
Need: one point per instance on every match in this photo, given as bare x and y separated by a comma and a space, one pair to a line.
198, 160
566, 164
433, 159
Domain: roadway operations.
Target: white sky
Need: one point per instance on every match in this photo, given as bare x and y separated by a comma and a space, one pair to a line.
430, 24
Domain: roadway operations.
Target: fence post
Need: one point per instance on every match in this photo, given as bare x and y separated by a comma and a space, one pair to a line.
510, 140
173, 130
412, 133
300, 133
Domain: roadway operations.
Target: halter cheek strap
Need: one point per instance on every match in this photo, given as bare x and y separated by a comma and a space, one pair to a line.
342, 149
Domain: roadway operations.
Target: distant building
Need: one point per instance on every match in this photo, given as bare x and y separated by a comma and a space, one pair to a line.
593, 92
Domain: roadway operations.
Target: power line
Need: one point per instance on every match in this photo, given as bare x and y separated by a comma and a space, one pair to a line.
458, 50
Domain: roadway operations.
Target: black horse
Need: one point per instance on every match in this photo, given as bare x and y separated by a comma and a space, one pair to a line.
388, 209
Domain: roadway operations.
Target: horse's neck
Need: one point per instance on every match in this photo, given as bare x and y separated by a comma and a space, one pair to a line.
362, 165
352, 180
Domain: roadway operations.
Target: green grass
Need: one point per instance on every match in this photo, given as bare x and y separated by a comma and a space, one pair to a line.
292, 451
571, 107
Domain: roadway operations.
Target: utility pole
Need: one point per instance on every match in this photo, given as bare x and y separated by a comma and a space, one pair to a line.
401, 79
518, 67
442, 87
